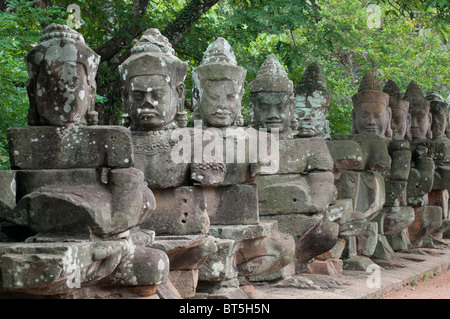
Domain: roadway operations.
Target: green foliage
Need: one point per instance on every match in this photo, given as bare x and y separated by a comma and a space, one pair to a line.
409, 44
20, 29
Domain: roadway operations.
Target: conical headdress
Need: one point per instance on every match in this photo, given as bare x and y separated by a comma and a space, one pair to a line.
370, 91
271, 77
153, 55
415, 97
396, 100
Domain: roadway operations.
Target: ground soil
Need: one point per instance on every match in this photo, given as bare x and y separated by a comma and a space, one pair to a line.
434, 286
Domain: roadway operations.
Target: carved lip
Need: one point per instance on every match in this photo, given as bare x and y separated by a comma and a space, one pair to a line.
222, 115
147, 115
371, 129
273, 121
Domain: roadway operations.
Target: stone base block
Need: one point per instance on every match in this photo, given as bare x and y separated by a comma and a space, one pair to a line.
41, 147
295, 193
179, 211
232, 205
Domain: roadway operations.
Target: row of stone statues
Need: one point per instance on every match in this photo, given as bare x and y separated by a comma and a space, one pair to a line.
157, 208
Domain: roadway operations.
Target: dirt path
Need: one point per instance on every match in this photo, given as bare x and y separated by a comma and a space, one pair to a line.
433, 287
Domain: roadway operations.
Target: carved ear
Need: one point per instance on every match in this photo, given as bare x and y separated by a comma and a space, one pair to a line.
353, 122
181, 91
389, 132
429, 133
408, 127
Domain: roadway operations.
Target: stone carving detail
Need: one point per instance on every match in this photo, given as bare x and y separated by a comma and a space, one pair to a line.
291, 195
154, 93
371, 113
312, 101
81, 202
254, 247
61, 84
156, 209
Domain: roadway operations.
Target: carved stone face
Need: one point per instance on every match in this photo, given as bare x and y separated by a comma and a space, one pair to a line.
62, 93
220, 103
420, 123
152, 102
272, 110
311, 122
401, 121
371, 118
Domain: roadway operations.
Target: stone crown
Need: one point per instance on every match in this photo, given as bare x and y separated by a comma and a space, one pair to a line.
153, 55
437, 104
396, 100
370, 90
271, 77
219, 62
415, 97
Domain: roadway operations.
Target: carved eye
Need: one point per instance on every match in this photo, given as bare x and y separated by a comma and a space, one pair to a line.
231, 97
157, 94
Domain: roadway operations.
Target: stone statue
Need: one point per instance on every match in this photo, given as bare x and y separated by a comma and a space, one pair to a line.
312, 104
153, 92
218, 87
61, 85
247, 246
272, 98
428, 218
361, 186
396, 216
439, 149
75, 189
290, 196
371, 113
421, 117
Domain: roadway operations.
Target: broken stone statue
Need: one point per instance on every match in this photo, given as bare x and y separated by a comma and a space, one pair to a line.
153, 92
298, 195
312, 101
247, 246
73, 188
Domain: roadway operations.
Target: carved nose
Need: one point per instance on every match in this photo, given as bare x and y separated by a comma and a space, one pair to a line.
148, 104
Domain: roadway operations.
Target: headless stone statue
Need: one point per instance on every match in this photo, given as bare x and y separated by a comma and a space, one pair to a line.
75, 188
292, 195
247, 246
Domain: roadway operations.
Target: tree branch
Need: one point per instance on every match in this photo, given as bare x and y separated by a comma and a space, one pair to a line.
126, 34
186, 19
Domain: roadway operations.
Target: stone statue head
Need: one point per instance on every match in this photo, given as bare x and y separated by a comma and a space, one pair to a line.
312, 101
421, 117
153, 88
371, 112
218, 87
61, 85
272, 97
401, 119
439, 111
